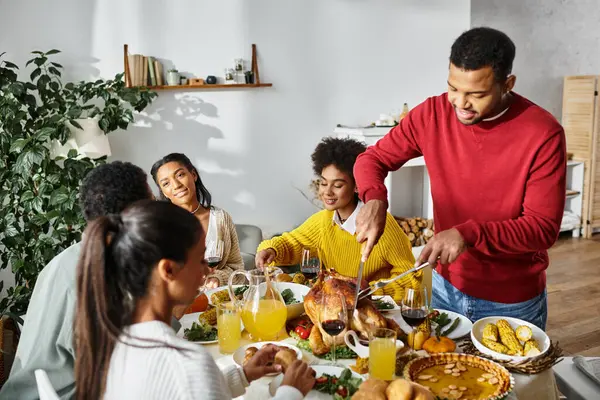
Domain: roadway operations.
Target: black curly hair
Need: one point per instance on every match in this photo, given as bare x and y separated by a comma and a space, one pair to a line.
340, 152
111, 188
202, 193
484, 47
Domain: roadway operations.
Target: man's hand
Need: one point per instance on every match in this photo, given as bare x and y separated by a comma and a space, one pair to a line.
264, 258
447, 245
262, 363
370, 224
212, 283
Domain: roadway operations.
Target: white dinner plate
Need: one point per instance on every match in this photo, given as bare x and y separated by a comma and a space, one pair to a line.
209, 292
320, 370
186, 323
463, 329
240, 353
390, 300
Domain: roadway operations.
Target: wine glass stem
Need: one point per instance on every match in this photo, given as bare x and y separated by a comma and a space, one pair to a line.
333, 359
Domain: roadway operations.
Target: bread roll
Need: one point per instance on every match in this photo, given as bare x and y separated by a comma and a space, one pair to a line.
374, 385
400, 389
285, 357
368, 395
250, 352
283, 278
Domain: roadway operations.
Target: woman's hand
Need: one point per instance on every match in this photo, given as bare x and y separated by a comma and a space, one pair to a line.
264, 257
212, 283
300, 376
262, 363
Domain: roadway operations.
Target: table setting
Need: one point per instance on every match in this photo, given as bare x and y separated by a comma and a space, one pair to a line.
365, 346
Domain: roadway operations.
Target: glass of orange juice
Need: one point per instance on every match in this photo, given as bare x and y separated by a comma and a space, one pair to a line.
229, 329
382, 354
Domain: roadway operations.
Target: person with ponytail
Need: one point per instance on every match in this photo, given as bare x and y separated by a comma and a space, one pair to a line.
46, 340
133, 270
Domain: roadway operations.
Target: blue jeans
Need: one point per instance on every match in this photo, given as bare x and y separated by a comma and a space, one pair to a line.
447, 297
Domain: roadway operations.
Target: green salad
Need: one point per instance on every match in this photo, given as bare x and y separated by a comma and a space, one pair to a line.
341, 388
200, 332
341, 352
288, 297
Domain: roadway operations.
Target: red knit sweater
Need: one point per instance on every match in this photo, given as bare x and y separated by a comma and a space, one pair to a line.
501, 183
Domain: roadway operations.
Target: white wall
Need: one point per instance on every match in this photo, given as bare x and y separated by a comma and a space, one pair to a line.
554, 38
336, 61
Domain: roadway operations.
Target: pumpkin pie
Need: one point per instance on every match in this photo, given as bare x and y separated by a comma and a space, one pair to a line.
460, 376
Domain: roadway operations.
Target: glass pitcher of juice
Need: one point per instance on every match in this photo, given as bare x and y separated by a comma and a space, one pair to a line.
263, 310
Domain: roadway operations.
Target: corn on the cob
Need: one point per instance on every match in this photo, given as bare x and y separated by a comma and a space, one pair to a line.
523, 333
219, 297
490, 332
209, 316
532, 348
508, 337
495, 346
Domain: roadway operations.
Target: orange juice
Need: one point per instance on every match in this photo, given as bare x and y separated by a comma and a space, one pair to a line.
229, 331
382, 358
265, 320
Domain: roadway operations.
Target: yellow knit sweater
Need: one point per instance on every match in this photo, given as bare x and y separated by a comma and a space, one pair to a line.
338, 249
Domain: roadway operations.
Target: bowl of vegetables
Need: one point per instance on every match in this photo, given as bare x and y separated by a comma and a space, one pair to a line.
293, 296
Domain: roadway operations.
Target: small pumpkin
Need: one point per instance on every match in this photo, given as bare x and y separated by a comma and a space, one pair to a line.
437, 344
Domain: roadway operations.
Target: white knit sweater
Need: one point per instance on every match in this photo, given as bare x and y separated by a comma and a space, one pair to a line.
187, 372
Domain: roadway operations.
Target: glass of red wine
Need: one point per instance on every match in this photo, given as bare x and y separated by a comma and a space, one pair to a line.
311, 263
415, 307
333, 319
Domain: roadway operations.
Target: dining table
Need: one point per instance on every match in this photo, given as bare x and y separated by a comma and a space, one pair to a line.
539, 386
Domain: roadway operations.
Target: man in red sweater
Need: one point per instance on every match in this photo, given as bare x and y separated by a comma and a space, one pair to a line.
497, 166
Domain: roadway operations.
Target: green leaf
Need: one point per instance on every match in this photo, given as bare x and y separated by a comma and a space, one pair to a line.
40, 61
45, 133
53, 179
39, 219
53, 51
10, 231
8, 64
28, 195
16, 88
59, 196
57, 65
74, 112
72, 153
54, 71
18, 145
44, 188
36, 72
38, 204
76, 124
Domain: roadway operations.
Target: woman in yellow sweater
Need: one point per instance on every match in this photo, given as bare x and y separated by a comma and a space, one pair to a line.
332, 231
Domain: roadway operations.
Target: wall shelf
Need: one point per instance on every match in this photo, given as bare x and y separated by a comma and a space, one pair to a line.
257, 83
211, 87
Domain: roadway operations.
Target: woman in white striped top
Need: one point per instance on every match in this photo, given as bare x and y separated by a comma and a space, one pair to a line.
134, 268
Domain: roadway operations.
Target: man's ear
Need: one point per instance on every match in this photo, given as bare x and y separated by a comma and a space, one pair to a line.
510, 83
168, 269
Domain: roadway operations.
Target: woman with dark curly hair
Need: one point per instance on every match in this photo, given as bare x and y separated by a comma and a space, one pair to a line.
180, 183
332, 231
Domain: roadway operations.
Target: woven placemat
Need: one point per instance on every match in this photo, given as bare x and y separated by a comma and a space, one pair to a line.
552, 357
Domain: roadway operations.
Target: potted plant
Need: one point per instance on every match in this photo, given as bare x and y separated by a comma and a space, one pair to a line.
40, 214
173, 78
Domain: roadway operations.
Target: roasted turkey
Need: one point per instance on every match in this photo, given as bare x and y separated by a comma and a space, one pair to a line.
320, 301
